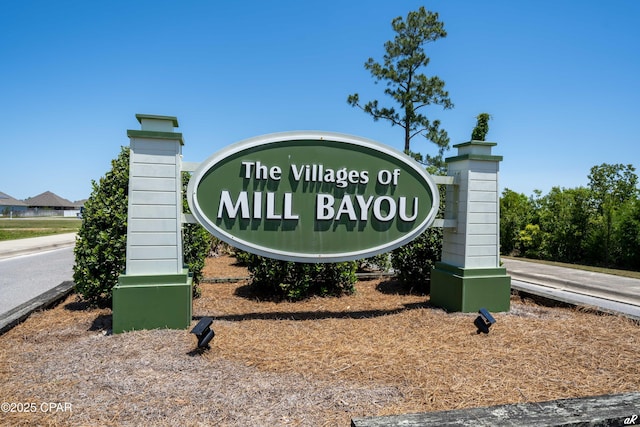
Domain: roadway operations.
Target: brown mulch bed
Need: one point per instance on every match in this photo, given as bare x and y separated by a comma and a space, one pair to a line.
322, 361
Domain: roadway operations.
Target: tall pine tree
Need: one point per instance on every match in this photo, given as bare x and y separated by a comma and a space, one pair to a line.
410, 90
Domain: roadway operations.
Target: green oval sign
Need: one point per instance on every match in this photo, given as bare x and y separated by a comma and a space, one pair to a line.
313, 197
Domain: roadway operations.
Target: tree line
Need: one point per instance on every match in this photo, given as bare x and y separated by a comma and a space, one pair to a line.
595, 225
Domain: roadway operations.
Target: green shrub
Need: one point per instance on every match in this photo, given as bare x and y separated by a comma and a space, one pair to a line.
295, 281
414, 261
100, 252
479, 132
531, 241
381, 262
242, 258
196, 242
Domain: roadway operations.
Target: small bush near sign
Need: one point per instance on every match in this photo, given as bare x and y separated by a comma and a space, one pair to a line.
413, 262
295, 281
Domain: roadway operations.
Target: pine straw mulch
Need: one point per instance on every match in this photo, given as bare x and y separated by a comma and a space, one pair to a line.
318, 362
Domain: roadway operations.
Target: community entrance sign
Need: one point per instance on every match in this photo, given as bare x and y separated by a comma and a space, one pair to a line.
306, 197
313, 197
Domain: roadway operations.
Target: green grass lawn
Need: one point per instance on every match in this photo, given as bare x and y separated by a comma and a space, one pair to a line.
21, 228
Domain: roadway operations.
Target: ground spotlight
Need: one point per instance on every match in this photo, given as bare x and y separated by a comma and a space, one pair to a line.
484, 321
203, 332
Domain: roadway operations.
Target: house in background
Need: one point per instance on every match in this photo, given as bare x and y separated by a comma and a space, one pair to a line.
50, 204
10, 207
45, 204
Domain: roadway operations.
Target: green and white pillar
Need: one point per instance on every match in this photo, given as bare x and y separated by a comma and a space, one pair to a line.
155, 291
469, 277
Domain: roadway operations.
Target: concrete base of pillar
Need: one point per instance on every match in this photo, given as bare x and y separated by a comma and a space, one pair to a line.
152, 302
470, 289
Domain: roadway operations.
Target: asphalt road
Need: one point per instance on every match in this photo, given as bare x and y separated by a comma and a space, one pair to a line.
25, 277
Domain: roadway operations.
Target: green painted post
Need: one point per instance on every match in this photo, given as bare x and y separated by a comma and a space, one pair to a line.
155, 291
470, 277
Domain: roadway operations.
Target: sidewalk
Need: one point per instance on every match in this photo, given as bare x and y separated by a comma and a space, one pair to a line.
12, 248
616, 288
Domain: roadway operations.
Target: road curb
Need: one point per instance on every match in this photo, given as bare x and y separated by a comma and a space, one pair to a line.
20, 313
32, 245
546, 280
34, 250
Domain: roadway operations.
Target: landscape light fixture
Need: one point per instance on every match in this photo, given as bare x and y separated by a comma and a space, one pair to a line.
484, 321
203, 332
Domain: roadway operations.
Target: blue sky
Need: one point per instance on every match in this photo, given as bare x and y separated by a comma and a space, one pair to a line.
560, 79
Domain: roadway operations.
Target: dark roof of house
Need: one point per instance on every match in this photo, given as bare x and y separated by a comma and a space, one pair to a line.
49, 200
7, 200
